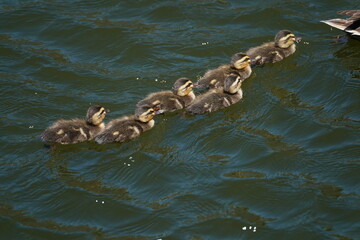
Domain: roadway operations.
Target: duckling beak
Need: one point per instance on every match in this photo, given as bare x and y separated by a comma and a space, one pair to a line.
298, 39
157, 110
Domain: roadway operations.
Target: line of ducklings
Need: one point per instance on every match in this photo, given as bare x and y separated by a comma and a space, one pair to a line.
224, 84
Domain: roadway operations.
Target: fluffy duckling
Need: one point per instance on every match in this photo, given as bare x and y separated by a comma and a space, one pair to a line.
350, 25
77, 130
168, 101
240, 65
128, 127
271, 52
218, 98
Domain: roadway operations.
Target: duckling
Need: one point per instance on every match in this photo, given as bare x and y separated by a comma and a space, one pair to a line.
271, 52
350, 25
77, 130
218, 98
128, 127
240, 64
168, 101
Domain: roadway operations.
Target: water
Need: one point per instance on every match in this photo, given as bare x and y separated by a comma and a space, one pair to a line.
284, 160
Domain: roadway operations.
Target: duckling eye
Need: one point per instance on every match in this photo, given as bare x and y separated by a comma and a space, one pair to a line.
102, 112
290, 36
188, 85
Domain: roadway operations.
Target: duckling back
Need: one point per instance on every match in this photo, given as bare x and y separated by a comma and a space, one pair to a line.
77, 130
215, 77
213, 100
123, 129
263, 53
239, 65
167, 101
271, 52
70, 131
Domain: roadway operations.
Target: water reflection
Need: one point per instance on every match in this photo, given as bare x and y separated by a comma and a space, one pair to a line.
19, 216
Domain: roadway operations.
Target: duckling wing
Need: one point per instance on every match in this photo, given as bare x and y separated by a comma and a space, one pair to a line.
214, 77
261, 54
166, 100
119, 133
170, 102
206, 103
67, 131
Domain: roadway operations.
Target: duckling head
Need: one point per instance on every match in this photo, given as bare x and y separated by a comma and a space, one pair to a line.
144, 114
96, 114
232, 84
285, 39
182, 87
240, 60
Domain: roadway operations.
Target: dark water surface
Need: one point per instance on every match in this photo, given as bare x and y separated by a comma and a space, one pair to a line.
284, 160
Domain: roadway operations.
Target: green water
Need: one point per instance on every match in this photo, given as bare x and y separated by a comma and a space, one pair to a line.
285, 159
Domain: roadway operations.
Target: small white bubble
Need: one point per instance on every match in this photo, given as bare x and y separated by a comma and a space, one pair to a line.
156, 79
130, 157
250, 227
244, 228
254, 230
132, 160
124, 163
102, 202
96, 200
137, 78
35, 93
128, 165
31, 126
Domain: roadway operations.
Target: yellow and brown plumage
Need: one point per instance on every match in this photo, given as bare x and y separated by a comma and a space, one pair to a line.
240, 65
77, 130
168, 101
218, 98
128, 127
271, 52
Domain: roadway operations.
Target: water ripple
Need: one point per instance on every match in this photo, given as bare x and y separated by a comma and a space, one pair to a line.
283, 160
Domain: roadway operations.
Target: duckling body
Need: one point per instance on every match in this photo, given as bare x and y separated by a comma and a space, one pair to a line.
350, 25
76, 130
218, 98
128, 127
271, 52
168, 101
215, 78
